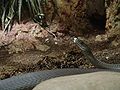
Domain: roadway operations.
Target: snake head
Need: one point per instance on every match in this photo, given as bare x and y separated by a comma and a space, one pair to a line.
81, 44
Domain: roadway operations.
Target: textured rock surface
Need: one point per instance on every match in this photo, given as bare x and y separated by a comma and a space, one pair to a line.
24, 37
73, 14
91, 81
72, 17
113, 17
113, 21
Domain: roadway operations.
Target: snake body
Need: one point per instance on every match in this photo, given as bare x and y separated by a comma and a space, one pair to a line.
30, 80
87, 52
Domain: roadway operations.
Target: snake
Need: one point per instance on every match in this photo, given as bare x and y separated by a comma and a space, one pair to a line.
29, 80
87, 52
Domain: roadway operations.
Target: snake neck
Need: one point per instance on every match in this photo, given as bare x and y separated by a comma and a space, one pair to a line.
97, 63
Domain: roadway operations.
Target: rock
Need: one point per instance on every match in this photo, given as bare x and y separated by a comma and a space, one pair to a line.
98, 38
28, 58
42, 47
6, 71
101, 38
113, 17
115, 43
95, 6
54, 27
54, 54
6, 39
39, 33
93, 81
20, 46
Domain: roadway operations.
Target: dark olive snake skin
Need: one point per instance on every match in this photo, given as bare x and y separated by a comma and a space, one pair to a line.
30, 80
87, 53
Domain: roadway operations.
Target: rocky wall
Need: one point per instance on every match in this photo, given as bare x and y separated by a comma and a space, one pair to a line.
113, 17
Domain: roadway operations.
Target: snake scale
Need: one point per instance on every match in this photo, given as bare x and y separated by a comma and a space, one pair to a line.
30, 80
87, 52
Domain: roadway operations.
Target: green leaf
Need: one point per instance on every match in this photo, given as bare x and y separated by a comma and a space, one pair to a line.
19, 9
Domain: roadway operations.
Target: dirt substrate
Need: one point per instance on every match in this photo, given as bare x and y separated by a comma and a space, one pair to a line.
63, 55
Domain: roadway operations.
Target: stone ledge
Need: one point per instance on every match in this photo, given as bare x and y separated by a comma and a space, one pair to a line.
93, 81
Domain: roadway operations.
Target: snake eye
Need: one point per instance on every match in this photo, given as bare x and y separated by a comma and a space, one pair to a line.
75, 39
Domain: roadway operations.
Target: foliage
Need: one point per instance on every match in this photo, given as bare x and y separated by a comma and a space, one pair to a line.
13, 9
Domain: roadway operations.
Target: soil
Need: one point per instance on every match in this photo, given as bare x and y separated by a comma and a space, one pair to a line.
63, 54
